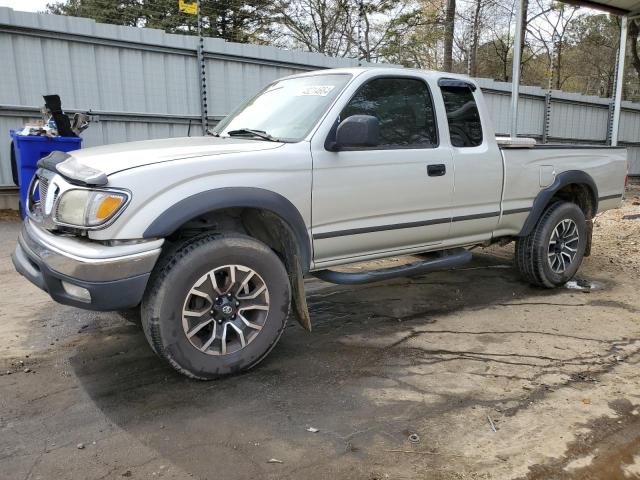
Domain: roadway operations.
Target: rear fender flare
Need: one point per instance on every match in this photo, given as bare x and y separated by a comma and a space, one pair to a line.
543, 198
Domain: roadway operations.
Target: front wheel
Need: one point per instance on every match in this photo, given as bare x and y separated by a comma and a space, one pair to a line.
217, 305
552, 253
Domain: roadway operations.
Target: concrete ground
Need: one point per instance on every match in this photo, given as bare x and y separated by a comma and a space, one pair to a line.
490, 378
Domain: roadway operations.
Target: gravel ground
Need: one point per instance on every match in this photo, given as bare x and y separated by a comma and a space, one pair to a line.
468, 374
616, 234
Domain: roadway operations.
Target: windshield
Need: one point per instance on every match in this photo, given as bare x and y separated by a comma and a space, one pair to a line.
286, 110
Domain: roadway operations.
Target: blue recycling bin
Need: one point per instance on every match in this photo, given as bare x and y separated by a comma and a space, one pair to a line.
29, 149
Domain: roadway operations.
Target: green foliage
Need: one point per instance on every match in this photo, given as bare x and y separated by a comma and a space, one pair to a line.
415, 37
590, 55
232, 20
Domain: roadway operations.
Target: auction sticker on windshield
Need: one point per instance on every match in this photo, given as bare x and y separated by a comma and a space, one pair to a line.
318, 91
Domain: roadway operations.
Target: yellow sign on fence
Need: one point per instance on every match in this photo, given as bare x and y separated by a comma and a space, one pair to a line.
188, 7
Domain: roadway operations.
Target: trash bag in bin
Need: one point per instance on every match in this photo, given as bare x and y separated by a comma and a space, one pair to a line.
33, 142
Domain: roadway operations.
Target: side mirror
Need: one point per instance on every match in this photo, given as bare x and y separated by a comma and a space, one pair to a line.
358, 131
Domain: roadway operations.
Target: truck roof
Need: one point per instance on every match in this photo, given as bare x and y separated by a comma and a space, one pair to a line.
356, 71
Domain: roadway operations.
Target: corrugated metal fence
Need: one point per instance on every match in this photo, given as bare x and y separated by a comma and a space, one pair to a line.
143, 83
561, 117
138, 83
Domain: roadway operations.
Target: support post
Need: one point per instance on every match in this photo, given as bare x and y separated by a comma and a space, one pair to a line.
617, 101
202, 74
515, 75
359, 46
546, 122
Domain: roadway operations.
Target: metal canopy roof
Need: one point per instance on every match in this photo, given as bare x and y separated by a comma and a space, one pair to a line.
617, 7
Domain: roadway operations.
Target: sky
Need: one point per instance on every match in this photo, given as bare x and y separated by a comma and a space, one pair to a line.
40, 5
26, 5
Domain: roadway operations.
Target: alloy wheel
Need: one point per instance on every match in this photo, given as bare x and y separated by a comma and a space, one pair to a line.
563, 245
225, 310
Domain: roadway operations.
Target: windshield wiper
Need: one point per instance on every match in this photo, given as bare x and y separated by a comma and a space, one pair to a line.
256, 133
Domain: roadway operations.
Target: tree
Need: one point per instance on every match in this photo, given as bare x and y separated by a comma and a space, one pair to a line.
323, 26
590, 54
634, 37
564, 48
489, 40
449, 30
523, 33
474, 21
233, 20
550, 31
126, 12
384, 23
475, 37
344, 28
415, 37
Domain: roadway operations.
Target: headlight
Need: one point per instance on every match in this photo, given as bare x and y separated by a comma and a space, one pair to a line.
89, 208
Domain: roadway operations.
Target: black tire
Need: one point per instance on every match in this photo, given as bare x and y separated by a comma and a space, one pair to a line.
170, 286
532, 251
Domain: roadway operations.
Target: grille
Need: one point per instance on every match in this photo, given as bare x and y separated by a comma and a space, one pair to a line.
43, 188
36, 208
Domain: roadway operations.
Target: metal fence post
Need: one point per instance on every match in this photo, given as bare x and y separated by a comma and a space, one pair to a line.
610, 122
202, 74
546, 120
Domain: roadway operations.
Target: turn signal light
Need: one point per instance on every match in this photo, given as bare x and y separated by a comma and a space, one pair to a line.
108, 206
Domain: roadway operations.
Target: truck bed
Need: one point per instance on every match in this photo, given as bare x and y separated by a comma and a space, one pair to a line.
607, 166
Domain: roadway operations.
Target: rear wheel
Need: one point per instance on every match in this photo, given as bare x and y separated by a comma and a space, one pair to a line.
217, 305
552, 253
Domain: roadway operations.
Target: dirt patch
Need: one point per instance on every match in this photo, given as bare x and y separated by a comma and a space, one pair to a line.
616, 234
496, 379
9, 215
609, 449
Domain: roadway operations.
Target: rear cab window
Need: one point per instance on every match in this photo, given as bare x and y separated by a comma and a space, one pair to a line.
463, 117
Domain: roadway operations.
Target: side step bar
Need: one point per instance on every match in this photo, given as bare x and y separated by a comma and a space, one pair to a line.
444, 260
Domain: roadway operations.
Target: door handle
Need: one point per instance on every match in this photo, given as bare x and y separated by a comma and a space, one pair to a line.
436, 170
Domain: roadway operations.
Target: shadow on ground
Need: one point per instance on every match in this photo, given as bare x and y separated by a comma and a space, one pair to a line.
361, 378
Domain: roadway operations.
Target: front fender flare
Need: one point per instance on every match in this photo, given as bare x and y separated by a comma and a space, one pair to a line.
234, 197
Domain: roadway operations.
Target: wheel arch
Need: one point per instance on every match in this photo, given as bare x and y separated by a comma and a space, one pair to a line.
573, 185
267, 216
210, 201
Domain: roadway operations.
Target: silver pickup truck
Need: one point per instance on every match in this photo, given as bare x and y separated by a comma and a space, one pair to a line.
210, 238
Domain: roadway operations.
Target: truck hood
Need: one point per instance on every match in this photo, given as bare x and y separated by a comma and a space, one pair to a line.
123, 156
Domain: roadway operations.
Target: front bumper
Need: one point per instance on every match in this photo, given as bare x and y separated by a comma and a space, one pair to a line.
113, 277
